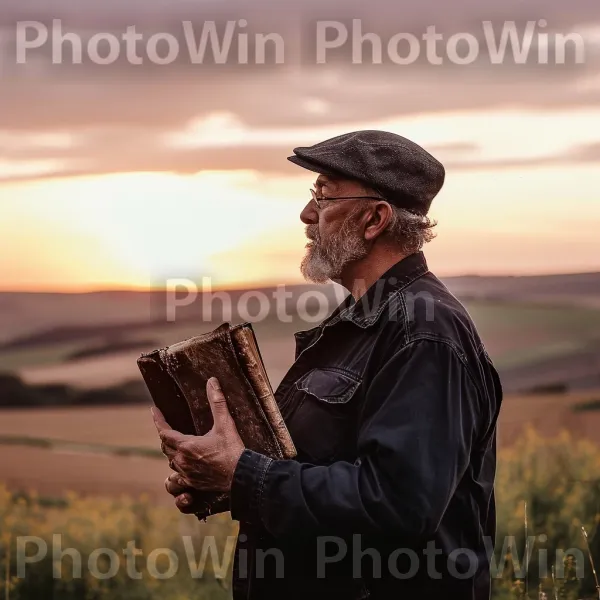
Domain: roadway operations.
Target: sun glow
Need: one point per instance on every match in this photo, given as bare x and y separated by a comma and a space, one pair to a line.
147, 227
136, 230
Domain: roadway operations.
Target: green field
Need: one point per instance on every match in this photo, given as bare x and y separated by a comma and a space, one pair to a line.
515, 334
520, 333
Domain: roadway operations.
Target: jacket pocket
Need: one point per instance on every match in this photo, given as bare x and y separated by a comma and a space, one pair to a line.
331, 385
323, 422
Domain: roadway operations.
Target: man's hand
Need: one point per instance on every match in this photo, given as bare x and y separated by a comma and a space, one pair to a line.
184, 495
204, 462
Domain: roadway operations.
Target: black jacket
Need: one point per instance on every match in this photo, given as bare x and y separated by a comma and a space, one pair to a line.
392, 403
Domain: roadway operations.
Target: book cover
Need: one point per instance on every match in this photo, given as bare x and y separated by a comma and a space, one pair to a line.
176, 378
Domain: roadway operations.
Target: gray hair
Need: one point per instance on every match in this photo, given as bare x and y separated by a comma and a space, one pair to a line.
409, 230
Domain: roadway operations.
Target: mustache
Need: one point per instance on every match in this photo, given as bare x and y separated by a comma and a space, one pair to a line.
312, 232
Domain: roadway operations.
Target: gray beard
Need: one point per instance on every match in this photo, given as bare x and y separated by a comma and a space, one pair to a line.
325, 261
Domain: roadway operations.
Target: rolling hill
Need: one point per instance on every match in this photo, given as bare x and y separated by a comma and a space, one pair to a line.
541, 331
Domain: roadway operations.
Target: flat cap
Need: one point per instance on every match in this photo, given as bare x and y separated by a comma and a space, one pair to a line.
405, 174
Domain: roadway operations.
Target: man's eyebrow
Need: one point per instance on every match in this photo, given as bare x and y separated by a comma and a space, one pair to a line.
325, 180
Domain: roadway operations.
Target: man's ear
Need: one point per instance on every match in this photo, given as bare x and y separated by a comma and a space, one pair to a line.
377, 219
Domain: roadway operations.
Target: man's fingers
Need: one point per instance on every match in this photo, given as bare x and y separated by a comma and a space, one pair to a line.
176, 485
185, 503
169, 452
159, 420
172, 439
168, 436
218, 403
179, 488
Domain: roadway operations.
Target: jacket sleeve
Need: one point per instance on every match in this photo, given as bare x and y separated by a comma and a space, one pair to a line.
416, 431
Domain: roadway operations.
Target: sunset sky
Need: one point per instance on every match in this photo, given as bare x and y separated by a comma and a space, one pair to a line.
121, 179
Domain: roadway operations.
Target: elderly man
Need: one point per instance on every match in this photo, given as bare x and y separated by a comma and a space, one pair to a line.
391, 402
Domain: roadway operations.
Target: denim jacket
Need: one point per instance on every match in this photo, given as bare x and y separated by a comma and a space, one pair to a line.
392, 404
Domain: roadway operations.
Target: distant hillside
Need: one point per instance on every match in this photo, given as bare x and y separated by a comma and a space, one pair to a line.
25, 314
580, 289
31, 316
540, 331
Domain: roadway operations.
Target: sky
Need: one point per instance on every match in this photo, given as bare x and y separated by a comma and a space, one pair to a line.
122, 176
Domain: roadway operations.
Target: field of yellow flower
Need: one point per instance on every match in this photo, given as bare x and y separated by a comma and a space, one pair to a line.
126, 548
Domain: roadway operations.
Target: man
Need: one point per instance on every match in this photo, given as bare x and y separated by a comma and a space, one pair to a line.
391, 402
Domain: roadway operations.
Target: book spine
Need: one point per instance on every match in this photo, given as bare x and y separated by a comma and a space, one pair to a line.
264, 393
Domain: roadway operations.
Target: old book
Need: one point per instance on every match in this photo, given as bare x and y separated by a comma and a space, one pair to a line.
176, 377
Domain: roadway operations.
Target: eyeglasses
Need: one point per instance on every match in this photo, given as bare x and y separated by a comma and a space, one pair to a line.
319, 200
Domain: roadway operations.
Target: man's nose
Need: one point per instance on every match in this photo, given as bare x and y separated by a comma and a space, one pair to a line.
309, 214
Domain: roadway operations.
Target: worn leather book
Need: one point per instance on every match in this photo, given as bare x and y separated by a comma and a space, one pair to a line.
176, 377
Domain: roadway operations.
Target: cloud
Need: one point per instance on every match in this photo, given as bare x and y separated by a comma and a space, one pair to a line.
120, 118
15, 170
269, 160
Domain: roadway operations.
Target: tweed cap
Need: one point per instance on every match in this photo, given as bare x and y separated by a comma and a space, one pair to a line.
405, 174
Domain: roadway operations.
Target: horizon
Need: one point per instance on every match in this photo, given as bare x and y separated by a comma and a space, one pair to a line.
271, 284
122, 177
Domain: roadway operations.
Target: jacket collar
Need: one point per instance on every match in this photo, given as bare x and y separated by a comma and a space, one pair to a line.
365, 311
